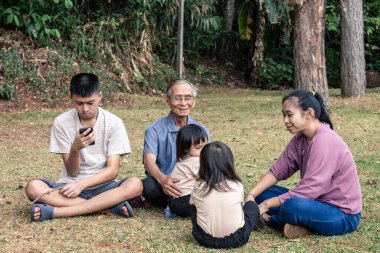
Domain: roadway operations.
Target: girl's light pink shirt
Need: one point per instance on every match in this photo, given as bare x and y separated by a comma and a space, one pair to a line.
328, 171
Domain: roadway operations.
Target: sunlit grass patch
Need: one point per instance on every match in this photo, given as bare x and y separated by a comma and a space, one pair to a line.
250, 122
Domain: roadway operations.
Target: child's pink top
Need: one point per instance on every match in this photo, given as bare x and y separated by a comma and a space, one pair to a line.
328, 170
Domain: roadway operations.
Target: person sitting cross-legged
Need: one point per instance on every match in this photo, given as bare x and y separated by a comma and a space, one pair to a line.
328, 199
90, 157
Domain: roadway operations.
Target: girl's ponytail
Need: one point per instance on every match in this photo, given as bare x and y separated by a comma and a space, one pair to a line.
324, 115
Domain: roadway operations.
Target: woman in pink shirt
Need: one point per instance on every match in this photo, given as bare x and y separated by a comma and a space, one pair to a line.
328, 199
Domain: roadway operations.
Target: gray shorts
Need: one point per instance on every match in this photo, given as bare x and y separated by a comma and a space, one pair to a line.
88, 193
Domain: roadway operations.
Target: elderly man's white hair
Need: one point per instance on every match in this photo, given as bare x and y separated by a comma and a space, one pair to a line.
169, 90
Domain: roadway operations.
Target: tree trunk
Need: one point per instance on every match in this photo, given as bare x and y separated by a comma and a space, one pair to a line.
179, 65
352, 49
229, 13
309, 47
257, 40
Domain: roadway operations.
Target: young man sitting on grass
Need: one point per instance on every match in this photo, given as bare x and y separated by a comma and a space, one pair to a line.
90, 160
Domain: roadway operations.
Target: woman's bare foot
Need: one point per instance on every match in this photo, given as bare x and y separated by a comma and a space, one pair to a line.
295, 231
264, 218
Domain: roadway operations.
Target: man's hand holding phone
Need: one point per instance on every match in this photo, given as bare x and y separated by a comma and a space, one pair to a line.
86, 137
87, 131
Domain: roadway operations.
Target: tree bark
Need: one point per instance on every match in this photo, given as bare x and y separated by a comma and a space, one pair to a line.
229, 13
352, 49
309, 47
257, 40
179, 65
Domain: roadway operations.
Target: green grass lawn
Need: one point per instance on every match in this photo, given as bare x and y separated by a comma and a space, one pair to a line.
250, 122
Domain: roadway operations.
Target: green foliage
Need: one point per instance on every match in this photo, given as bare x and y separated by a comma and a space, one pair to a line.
332, 17
11, 15
129, 38
34, 82
12, 64
202, 25
278, 11
134, 41
7, 91
371, 37
41, 20
207, 76
157, 79
162, 75
243, 23
332, 49
372, 34
276, 72
333, 67
372, 17
12, 68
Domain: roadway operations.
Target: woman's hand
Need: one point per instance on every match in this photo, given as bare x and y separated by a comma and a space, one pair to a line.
263, 208
249, 197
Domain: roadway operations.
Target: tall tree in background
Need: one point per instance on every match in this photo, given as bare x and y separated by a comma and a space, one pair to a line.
229, 14
257, 40
352, 49
309, 46
252, 28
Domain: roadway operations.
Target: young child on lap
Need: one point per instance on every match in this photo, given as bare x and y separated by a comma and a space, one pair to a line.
190, 141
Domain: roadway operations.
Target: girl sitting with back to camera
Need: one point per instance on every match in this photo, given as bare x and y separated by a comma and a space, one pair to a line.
219, 216
327, 200
190, 141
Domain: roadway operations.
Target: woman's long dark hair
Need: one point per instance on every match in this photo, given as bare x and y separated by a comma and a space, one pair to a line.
187, 136
217, 166
311, 99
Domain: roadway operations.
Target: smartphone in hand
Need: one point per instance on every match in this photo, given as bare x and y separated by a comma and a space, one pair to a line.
82, 130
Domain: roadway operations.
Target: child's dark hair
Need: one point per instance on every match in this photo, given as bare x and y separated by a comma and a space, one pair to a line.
217, 166
311, 99
84, 84
187, 136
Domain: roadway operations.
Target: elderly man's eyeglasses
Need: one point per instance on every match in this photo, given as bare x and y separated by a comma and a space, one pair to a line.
179, 99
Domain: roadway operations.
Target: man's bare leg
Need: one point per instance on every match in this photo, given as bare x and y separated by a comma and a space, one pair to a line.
36, 188
129, 189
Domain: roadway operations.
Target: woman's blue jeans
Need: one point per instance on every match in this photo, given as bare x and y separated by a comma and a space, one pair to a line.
319, 217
